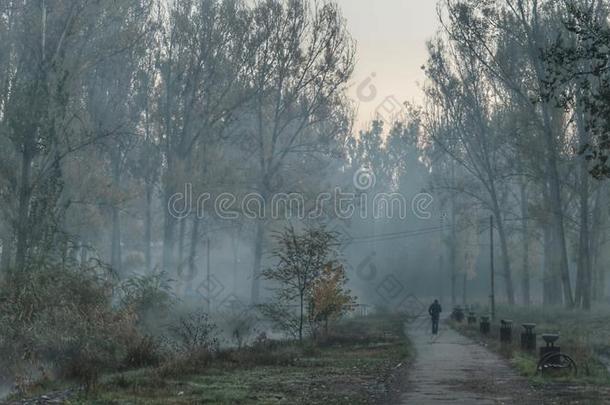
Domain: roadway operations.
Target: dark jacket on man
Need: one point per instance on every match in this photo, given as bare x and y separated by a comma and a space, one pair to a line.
435, 310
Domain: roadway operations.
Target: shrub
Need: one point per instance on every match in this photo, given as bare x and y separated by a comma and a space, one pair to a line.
268, 355
194, 333
284, 318
311, 350
143, 352
239, 325
62, 318
150, 297
185, 363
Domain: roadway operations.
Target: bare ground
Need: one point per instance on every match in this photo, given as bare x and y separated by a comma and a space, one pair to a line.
452, 369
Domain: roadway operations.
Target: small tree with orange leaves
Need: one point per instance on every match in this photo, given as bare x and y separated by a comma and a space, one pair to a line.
329, 297
308, 277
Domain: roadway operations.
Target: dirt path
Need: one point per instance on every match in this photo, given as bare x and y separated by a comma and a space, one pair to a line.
452, 369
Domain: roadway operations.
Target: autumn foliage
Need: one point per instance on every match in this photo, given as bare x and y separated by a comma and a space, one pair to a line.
310, 281
329, 296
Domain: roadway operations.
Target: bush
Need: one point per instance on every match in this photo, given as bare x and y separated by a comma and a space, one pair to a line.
283, 318
194, 333
150, 297
62, 319
269, 355
186, 364
241, 326
143, 352
311, 350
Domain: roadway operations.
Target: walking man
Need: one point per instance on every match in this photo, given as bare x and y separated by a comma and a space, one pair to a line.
435, 312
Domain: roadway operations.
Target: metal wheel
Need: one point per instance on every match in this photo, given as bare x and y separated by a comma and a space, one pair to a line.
557, 364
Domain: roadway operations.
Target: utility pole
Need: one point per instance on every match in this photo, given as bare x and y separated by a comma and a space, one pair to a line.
452, 250
441, 260
441, 275
207, 244
491, 257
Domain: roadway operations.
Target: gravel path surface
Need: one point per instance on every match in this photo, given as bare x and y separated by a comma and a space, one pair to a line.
452, 369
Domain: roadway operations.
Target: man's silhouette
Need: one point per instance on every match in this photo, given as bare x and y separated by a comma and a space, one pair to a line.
435, 312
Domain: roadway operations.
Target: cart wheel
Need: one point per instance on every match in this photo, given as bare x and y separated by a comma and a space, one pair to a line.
557, 364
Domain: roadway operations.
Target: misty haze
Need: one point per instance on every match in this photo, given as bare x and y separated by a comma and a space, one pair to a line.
299, 201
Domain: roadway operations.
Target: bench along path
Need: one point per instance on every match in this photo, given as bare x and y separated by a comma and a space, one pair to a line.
453, 369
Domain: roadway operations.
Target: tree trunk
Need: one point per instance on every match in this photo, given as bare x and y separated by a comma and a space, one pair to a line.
597, 269
464, 292
584, 249
148, 227
169, 188
552, 170
84, 253
169, 225
301, 316
74, 252
193, 250
235, 248
25, 195
508, 278
116, 240
525, 281
181, 237
559, 229
584, 259
551, 283
547, 297
578, 290
5, 260
116, 256
258, 255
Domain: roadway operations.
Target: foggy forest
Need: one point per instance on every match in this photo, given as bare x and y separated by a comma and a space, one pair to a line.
194, 208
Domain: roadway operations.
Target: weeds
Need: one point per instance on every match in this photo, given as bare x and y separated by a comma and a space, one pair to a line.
583, 337
272, 371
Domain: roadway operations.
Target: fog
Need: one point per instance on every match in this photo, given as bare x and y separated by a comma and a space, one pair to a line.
155, 157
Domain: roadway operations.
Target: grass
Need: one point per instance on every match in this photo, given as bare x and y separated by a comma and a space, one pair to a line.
584, 336
355, 365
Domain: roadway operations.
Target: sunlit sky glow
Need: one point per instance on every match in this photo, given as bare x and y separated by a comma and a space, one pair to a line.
391, 38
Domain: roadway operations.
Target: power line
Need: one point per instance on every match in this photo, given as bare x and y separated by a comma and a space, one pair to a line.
407, 234
436, 228
395, 235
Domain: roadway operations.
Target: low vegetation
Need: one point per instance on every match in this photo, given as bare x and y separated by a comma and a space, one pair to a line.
133, 341
357, 364
583, 336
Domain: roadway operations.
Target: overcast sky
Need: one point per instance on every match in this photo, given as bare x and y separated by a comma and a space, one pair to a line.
391, 37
